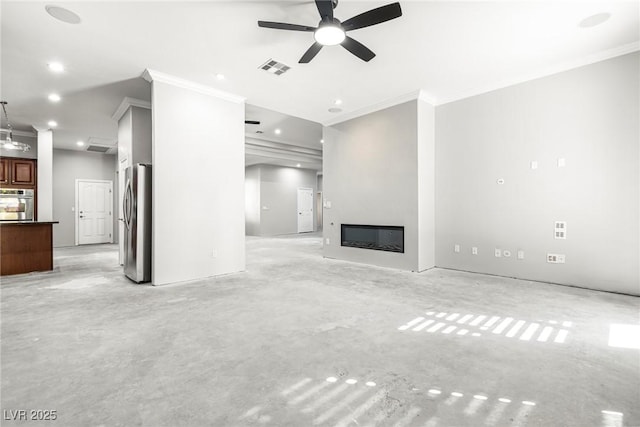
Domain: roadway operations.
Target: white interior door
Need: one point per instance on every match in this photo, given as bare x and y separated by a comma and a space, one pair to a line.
94, 211
305, 210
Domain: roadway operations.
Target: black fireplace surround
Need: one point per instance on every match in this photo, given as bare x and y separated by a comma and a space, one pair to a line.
388, 238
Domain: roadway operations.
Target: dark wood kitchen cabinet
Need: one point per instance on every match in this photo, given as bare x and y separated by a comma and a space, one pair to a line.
18, 172
4, 171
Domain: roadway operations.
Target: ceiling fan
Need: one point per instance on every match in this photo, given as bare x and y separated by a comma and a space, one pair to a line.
331, 31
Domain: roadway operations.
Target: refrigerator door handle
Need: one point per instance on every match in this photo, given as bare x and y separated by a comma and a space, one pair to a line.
127, 205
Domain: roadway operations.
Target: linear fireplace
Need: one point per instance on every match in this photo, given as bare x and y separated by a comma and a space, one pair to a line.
377, 237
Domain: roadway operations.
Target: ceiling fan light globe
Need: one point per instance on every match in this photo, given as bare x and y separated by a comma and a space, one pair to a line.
329, 35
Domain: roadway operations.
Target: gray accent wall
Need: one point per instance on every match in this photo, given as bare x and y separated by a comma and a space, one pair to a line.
272, 198
371, 170
69, 165
588, 116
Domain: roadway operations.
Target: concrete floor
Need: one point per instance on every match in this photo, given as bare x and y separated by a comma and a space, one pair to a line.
257, 348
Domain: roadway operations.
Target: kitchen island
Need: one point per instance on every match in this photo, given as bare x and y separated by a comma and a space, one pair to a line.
26, 246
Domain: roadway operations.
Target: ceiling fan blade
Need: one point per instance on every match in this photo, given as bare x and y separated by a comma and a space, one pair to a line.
358, 49
310, 53
373, 17
284, 26
325, 7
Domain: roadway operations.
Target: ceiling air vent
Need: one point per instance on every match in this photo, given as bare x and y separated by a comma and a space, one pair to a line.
98, 148
275, 67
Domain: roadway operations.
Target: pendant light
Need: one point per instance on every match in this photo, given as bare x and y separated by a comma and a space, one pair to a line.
9, 143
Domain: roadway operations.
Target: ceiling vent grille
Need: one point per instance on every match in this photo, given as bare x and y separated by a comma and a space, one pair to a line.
275, 67
98, 148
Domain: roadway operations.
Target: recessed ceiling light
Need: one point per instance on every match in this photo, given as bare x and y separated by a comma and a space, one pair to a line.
56, 67
298, 165
54, 97
80, 143
593, 20
52, 123
277, 131
322, 141
62, 14
337, 102
335, 110
220, 76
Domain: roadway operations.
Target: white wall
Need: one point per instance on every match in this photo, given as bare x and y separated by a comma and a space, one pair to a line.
198, 183
45, 175
370, 176
69, 165
588, 116
252, 200
426, 186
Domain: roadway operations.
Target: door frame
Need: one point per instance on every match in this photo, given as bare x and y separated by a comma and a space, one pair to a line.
77, 204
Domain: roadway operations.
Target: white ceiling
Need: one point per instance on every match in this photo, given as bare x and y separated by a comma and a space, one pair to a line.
447, 49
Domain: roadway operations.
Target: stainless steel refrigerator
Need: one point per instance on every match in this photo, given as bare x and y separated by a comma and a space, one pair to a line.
137, 223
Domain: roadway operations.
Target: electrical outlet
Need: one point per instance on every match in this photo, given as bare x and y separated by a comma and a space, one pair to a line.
474, 251
534, 165
560, 230
520, 254
498, 253
506, 253
327, 241
456, 248
555, 258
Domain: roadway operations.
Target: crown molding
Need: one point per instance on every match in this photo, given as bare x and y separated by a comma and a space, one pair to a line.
38, 130
126, 103
415, 95
157, 76
266, 142
425, 96
545, 72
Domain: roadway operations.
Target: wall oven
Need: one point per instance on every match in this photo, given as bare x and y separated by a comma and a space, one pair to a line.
16, 204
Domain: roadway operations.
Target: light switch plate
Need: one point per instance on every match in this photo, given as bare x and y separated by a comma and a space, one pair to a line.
498, 253
474, 251
534, 165
560, 230
561, 162
456, 248
520, 254
327, 241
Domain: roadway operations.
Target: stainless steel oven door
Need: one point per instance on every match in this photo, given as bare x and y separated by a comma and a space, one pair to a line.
16, 204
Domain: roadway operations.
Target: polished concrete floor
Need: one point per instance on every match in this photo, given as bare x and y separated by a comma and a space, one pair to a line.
298, 340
